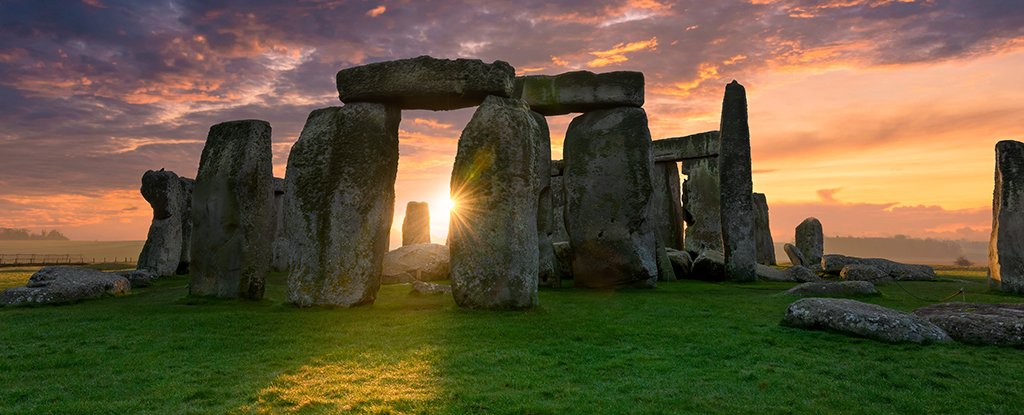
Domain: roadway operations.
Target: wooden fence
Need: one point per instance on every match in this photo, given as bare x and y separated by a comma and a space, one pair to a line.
53, 259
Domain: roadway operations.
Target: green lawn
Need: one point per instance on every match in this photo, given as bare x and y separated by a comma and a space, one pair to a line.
686, 347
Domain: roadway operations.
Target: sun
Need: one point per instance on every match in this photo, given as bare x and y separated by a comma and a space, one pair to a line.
446, 204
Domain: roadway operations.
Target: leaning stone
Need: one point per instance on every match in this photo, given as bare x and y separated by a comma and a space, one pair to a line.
682, 263
667, 205
54, 285
862, 319
810, 240
416, 226
608, 185
858, 272
547, 275
580, 91
834, 289
426, 83
430, 288
834, 264
737, 187
140, 277
1006, 252
984, 324
420, 262
187, 185
233, 211
763, 231
340, 202
563, 257
701, 206
493, 238
709, 266
696, 146
795, 256
162, 251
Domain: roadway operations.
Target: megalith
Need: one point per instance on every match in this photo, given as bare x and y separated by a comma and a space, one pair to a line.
232, 212
279, 248
762, 231
667, 205
187, 185
608, 180
737, 187
701, 206
559, 234
339, 204
1006, 245
493, 229
416, 225
580, 91
546, 271
162, 251
810, 240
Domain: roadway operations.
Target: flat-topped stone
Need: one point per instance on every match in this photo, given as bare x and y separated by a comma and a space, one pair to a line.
580, 91
976, 323
53, 285
834, 264
862, 319
694, 146
426, 83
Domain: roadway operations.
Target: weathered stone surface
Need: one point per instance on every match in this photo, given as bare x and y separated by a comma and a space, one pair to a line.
279, 248
186, 225
580, 91
834, 264
416, 226
795, 256
140, 277
810, 240
737, 187
430, 288
834, 289
559, 234
53, 285
666, 272
709, 266
420, 262
608, 185
682, 263
801, 273
339, 204
233, 211
701, 206
858, 272
162, 251
667, 205
696, 146
557, 167
563, 259
762, 231
547, 273
792, 274
426, 83
1006, 245
493, 237
995, 324
862, 319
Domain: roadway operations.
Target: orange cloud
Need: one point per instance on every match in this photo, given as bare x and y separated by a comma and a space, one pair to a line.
376, 11
617, 53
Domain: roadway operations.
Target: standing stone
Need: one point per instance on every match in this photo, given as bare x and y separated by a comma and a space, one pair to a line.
737, 187
668, 208
547, 274
187, 185
1006, 246
416, 226
608, 176
702, 206
279, 249
810, 240
232, 212
762, 231
340, 202
559, 233
493, 238
162, 251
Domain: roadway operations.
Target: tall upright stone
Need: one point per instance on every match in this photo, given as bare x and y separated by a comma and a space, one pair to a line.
339, 204
667, 205
187, 185
702, 206
232, 212
493, 237
608, 176
559, 234
810, 240
547, 274
762, 231
279, 248
1006, 246
416, 225
737, 187
162, 251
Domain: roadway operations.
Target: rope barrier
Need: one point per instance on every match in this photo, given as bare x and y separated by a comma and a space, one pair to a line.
962, 292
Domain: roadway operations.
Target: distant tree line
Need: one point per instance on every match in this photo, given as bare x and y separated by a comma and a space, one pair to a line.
15, 234
900, 246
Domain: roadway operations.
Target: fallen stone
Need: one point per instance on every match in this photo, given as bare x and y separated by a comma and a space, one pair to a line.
608, 185
709, 266
187, 185
416, 226
801, 273
857, 272
862, 319
54, 285
232, 212
580, 91
426, 83
792, 274
682, 263
795, 256
420, 262
696, 146
162, 251
701, 206
983, 324
737, 187
834, 264
763, 231
430, 288
834, 289
493, 237
667, 205
140, 277
810, 240
1006, 251
340, 203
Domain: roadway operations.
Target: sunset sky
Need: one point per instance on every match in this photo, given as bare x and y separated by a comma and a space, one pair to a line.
878, 117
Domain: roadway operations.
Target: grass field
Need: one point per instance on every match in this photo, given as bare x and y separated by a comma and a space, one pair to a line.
92, 251
686, 347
